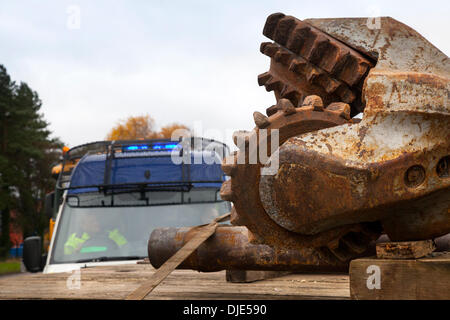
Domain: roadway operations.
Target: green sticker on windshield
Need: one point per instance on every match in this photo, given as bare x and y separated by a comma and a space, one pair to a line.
93, 249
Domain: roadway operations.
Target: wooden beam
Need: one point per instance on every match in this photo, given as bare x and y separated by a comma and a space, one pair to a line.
387, 279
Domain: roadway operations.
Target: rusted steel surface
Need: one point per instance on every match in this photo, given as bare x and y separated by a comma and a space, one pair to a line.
405, 249
443, 243
344, 242
394, 45
411, 202
229, 248
340, 182
393, 165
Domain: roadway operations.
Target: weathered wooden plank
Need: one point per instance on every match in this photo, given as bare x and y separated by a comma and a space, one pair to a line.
115, 282
378, 279
404, 250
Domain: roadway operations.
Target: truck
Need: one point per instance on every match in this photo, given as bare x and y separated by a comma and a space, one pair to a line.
110, 195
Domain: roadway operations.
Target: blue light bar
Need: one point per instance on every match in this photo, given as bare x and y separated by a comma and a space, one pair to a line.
164, 146
154, 147
135, 148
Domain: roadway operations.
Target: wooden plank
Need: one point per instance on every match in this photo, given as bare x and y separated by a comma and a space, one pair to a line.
404, 250
203, 233
115, 282
387, 279
245, 276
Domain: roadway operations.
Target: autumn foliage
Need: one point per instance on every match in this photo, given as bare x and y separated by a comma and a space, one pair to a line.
142, 127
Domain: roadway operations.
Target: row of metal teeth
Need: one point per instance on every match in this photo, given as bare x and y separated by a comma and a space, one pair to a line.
302, 68
311, 103
353, 243
318, 48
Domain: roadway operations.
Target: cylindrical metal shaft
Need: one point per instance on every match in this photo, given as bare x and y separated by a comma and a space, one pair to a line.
229, 248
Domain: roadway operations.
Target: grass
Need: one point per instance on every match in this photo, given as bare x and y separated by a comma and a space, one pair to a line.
9, 266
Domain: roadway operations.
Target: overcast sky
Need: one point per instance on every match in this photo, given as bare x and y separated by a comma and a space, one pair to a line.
178, 61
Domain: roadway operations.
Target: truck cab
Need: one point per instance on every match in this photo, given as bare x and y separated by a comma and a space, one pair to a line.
117, 192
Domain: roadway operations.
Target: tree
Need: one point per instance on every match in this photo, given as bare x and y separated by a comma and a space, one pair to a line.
142, 127
6, 94
27, 154
167, 131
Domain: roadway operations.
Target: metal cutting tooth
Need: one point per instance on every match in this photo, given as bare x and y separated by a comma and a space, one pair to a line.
312, 74
271, 24
347, 71
263, 46
269, 49
340, 62
330, 85
286, 106
352, 70
318, 49
297, 65
263, 78
363, 68
308, 43
282, 57
271, 110
345, 94
226, 193
283, 29
315, 102
291, 93
261, 120
334, 57
329, 56
297, 38
340, 108
273, 84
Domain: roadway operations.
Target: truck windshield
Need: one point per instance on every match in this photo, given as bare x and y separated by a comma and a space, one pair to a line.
99, 227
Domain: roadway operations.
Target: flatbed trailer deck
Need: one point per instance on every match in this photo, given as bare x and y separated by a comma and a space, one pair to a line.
116, 282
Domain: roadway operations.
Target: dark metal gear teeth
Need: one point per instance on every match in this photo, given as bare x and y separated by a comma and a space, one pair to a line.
300, 66
353, 243
287, 108
281, 89
320, 49
341, 249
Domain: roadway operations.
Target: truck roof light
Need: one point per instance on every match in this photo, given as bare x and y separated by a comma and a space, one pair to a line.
153, 147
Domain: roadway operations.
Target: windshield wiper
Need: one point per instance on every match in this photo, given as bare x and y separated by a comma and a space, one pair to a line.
106, 258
